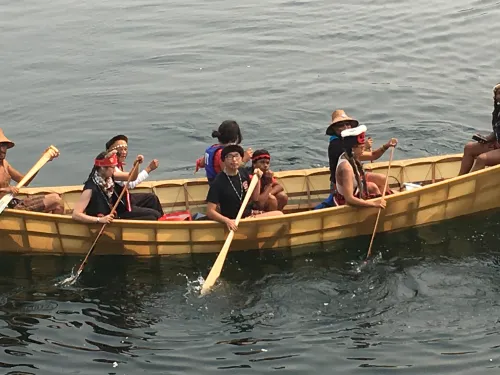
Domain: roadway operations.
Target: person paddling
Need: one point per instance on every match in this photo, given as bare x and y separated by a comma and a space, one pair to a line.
100, 193
229, 133
49, 203
229, 187
351, 183
485, 151
119, 143
340, 122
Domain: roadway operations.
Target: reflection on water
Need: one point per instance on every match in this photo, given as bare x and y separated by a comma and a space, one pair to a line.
427, 304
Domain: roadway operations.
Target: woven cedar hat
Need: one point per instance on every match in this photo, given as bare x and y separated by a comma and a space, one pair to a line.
339, 116
4, 139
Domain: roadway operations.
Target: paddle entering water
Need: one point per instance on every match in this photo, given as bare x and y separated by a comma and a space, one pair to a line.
47, 155
380, 209
74, 276
219, 262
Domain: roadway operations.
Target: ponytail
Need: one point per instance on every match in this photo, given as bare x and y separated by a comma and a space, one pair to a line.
228, 132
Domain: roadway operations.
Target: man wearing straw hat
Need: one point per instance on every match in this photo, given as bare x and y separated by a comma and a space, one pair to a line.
50, 203
485, 151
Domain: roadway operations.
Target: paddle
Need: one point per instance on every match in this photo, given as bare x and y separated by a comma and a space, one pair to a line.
4, 202
380, 209
219, 262
73, 278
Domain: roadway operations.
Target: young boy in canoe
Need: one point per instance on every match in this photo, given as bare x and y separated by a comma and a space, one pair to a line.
229, 133
50, 203
229, 188
119, 144
485, 151
272, 196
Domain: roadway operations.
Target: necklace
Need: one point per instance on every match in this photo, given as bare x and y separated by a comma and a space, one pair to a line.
240, 196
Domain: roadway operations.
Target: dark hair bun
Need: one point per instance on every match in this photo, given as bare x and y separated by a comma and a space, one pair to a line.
215, 134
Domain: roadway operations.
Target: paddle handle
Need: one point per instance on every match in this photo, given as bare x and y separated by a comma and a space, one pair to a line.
4, 202
380, 209
39, 164
219, 262
113, 209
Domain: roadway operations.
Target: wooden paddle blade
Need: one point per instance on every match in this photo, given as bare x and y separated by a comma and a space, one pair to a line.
4, 202
217, 267
219, 262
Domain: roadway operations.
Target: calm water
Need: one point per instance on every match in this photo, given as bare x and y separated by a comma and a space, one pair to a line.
76, 73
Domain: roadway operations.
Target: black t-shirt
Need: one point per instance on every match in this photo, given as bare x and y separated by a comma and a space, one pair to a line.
99, 203
334, 151
221, 192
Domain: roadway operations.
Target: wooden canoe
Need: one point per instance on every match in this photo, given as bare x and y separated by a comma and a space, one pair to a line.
444, 196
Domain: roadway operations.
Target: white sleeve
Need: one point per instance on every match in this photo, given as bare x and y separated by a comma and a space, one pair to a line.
141, 177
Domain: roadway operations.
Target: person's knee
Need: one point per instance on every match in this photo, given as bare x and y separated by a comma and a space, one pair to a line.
282, 200
471, 149
54, 203
482, 160
272, 203
372, 188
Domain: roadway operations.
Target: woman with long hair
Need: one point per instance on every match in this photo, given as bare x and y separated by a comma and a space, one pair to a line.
352, 188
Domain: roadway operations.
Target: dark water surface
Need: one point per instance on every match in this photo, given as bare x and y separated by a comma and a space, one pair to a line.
428, 304
167, 73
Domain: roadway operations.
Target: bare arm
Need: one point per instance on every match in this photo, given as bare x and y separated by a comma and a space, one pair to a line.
265, 195
16, 175
81, 206
256, 192
214, 215
277, 188
344, 176
373, 155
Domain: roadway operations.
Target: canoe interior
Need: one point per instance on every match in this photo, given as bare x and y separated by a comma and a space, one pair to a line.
305, 188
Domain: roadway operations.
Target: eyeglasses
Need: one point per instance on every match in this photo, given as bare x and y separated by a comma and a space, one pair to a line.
233, 156
4, 145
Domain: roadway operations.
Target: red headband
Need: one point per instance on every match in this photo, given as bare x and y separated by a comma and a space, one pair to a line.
261, 156
361, 138
111, 161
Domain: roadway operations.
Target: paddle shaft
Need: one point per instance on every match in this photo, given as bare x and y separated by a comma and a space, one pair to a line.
28, 176
380, 209
125, 189
219, 262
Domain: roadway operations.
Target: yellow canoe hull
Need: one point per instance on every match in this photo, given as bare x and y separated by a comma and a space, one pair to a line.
444, 196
